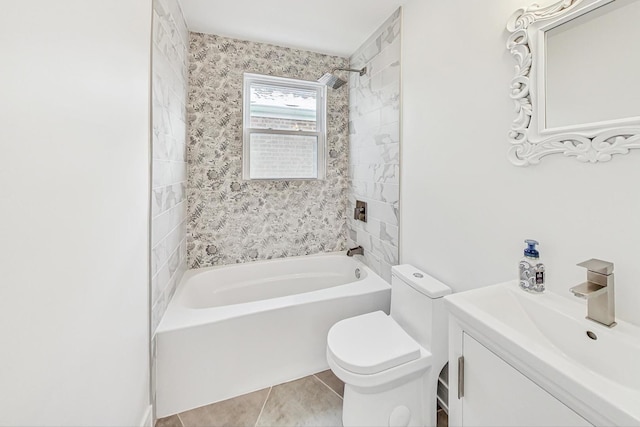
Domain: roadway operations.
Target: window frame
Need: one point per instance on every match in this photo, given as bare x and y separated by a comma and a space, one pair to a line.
321, 118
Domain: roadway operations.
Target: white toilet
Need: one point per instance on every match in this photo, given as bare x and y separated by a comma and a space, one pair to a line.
390, 364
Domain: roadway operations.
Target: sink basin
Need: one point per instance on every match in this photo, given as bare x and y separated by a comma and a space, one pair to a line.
591, 368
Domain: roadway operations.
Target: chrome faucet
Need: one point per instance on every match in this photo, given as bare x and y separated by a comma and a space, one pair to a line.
358, 250
598, 291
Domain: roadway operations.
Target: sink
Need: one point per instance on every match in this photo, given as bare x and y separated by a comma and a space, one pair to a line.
591, 368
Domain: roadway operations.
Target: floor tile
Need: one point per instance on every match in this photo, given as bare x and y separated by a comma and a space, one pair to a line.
330, 379
172, 421
241, 411
443, 419
304, 402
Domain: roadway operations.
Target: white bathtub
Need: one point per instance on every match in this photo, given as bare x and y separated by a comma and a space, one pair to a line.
231, 330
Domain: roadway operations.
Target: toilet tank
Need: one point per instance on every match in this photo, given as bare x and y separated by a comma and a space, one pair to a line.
417, 305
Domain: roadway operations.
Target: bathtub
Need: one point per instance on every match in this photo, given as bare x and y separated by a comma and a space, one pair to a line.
235, 329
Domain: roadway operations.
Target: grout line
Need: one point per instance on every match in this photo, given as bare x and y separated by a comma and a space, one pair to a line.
167, 260
263, 405
326, 385
180, 419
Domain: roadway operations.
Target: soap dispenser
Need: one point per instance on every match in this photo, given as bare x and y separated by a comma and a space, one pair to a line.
531, 269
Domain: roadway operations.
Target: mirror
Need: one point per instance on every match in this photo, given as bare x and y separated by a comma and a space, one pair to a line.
594, 47
576, 87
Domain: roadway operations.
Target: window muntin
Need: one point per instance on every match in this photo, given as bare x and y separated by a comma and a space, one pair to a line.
284, 128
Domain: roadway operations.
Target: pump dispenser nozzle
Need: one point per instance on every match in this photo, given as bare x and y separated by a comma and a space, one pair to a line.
531, 251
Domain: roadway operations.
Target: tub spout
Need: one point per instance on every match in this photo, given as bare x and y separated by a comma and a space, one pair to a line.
358, 250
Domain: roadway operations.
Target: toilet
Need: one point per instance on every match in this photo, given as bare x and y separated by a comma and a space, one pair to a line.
390, 363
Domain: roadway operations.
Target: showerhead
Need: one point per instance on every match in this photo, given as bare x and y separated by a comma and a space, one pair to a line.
335, 82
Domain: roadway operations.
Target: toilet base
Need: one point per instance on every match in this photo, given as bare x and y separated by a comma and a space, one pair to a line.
411, 403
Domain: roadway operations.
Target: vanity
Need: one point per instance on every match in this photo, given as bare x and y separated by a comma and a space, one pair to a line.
523, 359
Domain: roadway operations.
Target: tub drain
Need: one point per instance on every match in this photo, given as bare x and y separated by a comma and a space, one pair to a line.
357, 273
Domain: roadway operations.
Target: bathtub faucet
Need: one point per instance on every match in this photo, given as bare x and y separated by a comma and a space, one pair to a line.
358, 250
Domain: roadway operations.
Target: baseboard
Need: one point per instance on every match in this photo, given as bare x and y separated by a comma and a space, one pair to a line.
147, 419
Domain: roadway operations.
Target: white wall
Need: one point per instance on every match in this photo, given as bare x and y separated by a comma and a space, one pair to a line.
74, 207
465, 209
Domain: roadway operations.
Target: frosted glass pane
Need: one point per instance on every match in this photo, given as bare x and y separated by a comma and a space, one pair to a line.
283, 156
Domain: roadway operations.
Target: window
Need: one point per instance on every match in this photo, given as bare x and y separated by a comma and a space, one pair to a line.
284, 128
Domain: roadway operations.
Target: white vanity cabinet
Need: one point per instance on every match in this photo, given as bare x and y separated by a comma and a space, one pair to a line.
493, 393
534, 360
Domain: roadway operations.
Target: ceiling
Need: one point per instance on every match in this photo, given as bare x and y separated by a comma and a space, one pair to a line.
334, 27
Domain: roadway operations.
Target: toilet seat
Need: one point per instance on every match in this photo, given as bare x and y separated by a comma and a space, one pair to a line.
370, 343
373, 332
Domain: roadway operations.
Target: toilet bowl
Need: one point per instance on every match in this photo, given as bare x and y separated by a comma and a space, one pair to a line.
390, 363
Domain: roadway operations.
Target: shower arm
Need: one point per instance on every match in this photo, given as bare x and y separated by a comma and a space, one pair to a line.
362, 71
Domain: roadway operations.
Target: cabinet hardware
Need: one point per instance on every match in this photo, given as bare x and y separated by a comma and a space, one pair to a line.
460, 377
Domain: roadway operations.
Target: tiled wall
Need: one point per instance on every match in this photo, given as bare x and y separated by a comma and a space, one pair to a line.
169, 169
374, 148
231, 220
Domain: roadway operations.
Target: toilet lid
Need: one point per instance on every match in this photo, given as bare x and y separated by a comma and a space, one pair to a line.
370, 343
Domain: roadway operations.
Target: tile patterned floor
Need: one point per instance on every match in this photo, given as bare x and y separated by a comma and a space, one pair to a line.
315, 401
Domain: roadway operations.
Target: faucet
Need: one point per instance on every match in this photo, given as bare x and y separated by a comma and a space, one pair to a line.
598, 291
358, 250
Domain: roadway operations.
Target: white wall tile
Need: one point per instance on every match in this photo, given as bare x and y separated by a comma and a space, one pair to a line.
374, 108
169, 167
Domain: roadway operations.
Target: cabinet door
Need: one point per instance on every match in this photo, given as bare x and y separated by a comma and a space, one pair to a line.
496, 394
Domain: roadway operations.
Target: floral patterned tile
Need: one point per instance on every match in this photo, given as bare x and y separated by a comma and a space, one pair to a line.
231, 220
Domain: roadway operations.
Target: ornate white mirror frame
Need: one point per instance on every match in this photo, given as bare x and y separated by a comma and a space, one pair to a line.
530, 140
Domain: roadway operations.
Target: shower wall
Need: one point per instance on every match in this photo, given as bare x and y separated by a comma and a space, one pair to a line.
374, 148
231, 220
169, 168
